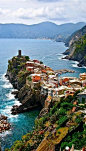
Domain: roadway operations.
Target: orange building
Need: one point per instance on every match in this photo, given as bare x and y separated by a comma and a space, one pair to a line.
43, 71
63, 80
36, 78
30, 69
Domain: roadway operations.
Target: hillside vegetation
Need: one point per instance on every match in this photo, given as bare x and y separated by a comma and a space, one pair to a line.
59, 126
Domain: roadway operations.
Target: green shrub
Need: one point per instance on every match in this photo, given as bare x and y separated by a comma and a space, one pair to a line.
41, 62
27, 58
67, 105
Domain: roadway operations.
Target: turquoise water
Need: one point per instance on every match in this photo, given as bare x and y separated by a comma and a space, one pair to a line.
44, 50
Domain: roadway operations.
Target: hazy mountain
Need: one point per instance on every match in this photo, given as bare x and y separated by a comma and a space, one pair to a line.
41, 30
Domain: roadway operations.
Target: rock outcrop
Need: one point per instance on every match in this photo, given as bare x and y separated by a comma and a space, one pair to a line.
75, 36
28, 97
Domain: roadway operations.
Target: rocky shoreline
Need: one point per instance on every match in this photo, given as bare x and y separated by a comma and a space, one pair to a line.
4, 124
81, 63
29, 100
62, 71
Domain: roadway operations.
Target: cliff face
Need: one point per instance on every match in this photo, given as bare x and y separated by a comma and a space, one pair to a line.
77, 47
75, 36
28, 97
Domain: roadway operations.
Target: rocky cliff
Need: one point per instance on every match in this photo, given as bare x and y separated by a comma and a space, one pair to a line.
28, 97
77, 47
75, 36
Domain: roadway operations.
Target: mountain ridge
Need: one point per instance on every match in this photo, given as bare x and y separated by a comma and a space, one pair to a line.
48, 30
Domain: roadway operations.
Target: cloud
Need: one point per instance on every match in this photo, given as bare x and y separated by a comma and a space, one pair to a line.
4, 11
61, 11
35, 11
48, 12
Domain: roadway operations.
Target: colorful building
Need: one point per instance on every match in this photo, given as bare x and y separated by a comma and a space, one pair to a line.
36, 77
30, 63
30, 69
82, 76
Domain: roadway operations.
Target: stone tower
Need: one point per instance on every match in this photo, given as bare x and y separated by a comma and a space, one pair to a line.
19, 53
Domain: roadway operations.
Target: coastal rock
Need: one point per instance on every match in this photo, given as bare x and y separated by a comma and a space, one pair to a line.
79, 65
29, 99
4, 124
62, 71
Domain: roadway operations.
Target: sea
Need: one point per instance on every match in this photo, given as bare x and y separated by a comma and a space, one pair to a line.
48, 51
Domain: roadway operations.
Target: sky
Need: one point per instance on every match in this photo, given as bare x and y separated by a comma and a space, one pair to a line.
36, 11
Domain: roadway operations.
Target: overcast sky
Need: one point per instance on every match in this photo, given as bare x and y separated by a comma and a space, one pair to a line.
36, 11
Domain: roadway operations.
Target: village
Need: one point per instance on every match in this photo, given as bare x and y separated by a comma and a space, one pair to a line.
52, 85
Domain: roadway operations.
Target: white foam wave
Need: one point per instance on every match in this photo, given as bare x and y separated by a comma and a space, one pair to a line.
62, 56
7, 112
3, 134
75, 64
7, 85
10, 96
11, 117
12, 90
17, 103
4, 78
